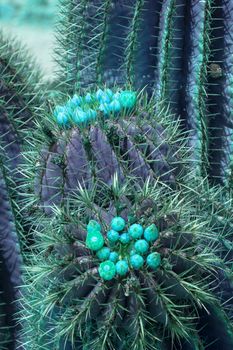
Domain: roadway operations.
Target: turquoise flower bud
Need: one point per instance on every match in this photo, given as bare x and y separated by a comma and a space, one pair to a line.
115, 106
136, 231
153, 260
59, 109
62, 118
94, 240
93, 225
113, 236
151, 233
125, 238
79, 116
141, 246
88, 98
136, 261
91, 114
114, 256
122, 267
103, 253
98, 94
118, 223
127, 99
107, 270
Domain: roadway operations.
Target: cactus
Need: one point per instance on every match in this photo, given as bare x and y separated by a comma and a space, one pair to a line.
99, 170
180, 49
95, 160
18, 98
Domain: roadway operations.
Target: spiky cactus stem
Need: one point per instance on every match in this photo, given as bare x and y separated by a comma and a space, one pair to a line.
98, 172
18, 98
144, 308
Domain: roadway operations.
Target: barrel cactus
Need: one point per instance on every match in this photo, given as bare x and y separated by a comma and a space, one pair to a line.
120, 257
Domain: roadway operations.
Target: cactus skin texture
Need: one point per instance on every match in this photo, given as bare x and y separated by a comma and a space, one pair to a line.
181, 50
18, 98
90, 173
109, 146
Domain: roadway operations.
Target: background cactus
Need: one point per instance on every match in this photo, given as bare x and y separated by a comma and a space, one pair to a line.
18, 98
180, 49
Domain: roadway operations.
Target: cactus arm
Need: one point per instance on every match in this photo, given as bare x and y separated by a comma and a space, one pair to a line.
146, 56
197, 75
221, 122
227, 162
164, 44
18, 98
10, 259
108, 42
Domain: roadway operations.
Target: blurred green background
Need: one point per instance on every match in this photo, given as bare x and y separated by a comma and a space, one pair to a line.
32, 21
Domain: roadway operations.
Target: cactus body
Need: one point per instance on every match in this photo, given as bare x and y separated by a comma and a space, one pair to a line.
104, 172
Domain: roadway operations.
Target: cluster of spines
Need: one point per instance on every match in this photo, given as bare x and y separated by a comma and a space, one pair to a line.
124, 248
66, 254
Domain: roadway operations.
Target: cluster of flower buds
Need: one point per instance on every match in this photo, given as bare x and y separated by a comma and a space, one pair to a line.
123, 248
83, 110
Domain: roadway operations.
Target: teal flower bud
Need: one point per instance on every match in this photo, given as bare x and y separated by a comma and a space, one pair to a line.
103, 253
107, 270
118, 223
91, 114
94, 240
151, 233
136, 231
79, 116
125, 238
59, 109
114, 256
99, 93
127, 99
115, 106
103, 107
93, 225
153, 260
141, 246
62, 119
136, 261
113, 236
122, 267
88, 98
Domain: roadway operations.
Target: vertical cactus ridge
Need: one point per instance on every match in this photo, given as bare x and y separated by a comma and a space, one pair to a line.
196, 109
220, 94
107, 36
132, 41
145, 57
164, 47
10, 260
170, 70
